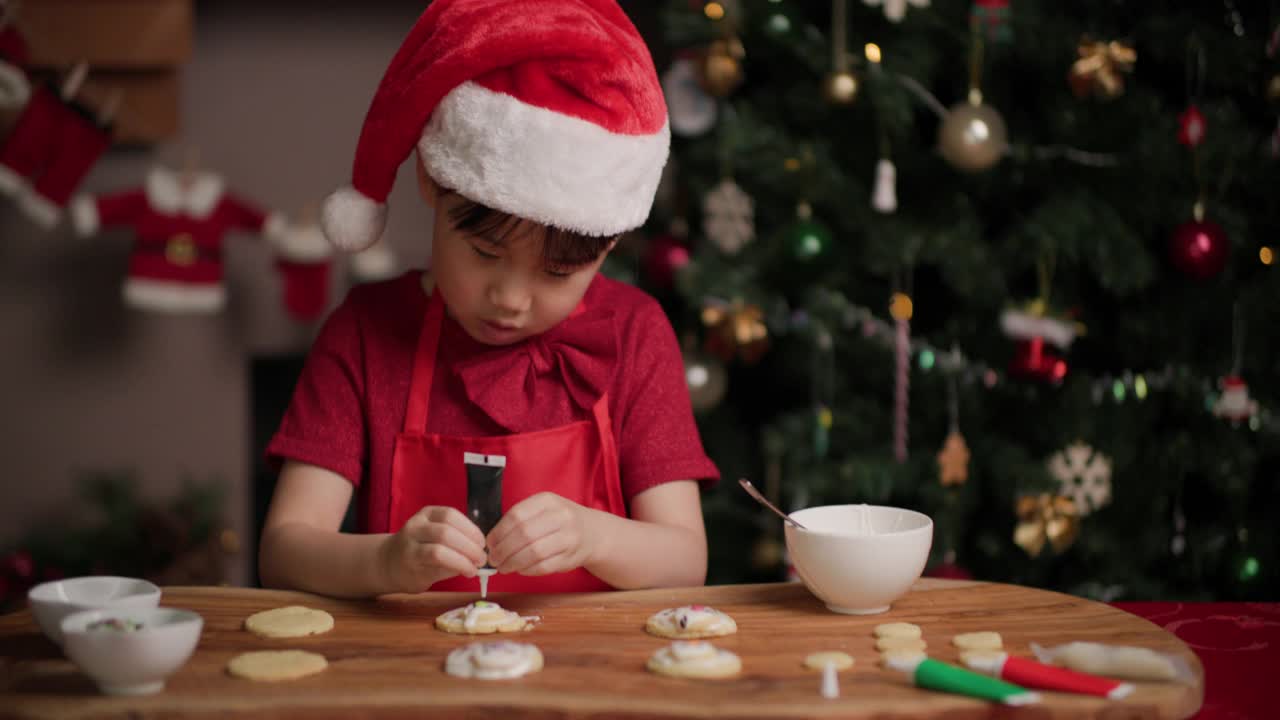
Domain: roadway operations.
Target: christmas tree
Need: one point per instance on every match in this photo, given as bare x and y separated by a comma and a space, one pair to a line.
1006, 264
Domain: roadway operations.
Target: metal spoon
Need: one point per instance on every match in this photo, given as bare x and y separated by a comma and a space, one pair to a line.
753, 492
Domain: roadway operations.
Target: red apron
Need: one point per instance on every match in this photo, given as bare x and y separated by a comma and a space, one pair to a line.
578, 461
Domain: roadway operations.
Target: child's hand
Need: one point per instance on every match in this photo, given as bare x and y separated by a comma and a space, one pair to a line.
436, 543
542, 534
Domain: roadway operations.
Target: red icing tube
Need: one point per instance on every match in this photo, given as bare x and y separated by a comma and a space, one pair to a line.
1031, 674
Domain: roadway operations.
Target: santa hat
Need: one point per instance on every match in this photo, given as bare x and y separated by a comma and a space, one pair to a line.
549, 110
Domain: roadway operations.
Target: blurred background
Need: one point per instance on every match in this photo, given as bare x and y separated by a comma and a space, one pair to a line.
1010, 264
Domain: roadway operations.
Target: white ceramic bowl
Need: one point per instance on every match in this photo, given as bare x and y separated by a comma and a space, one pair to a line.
133, 662
52, 601
858, 559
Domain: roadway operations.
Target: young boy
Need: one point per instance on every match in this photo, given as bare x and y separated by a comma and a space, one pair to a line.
541, 133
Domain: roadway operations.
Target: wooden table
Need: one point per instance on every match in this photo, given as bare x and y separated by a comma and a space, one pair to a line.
386, 658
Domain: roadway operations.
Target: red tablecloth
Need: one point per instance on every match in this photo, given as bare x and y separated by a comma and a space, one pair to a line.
1239, 645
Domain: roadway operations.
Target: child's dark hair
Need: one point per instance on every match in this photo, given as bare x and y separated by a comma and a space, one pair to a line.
560, 248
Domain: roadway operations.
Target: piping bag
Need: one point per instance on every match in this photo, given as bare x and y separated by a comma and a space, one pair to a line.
933, 674
1029, 673
484, 501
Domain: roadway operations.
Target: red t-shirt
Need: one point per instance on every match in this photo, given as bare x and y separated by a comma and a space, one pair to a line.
350, 400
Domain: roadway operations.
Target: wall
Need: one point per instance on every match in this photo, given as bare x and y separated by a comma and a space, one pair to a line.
273, 99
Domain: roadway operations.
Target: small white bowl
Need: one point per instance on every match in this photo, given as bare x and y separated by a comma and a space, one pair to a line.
135, 662
52, 601
858, 559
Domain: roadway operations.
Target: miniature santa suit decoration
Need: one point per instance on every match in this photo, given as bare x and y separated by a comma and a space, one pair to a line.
551, 111
1032, 329
1234, 403
54, 143
180, 220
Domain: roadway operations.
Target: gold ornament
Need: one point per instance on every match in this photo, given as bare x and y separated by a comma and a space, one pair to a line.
722, 66
1046, 517
767, 554
972, 136
840, 87
706, 379
736, 328
953, 461
1100, 67
900, 306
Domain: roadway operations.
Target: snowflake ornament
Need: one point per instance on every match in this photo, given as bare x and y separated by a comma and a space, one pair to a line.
1084, 475
895, 10
728, 217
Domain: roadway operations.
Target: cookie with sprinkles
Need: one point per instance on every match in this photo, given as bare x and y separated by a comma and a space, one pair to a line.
690, 622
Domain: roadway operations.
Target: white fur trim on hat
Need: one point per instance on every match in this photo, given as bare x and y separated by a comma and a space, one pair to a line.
375, 263
352, 221
84, 215
302, 244
541, 165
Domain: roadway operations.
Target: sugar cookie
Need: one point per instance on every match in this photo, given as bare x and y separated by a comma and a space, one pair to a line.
1120, 661
276, 665
694, 659
888, 657
289, 622
898, 629
494, 660
900, 643
481, 618
985, 640
981, 656
690, 622
819, 660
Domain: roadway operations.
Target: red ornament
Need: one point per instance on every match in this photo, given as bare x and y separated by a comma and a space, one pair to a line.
1191, 127
664, 258
1199, 249
949, 571
1032, 360
18, 564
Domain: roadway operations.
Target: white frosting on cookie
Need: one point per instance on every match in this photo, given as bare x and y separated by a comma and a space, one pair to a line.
497, 660
483, 616
694, 620
695, 658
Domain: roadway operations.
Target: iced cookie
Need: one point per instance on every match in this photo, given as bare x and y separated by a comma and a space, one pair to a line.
494, 660
889, 657
970, 657
276, 665
900, 643
819, 660
289, 622
696, 659
690, 622
985, 640
481, 618
897, 630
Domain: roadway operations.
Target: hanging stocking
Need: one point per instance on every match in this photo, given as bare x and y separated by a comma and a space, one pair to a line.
50, 150
304, 261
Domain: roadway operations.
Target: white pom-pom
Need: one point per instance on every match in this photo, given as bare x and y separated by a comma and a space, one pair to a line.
351, 220
885, 196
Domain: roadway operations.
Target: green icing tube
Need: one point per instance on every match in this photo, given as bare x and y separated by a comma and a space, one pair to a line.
937, 675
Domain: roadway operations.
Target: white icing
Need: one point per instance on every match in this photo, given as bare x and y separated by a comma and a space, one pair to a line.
500, 660
695, 619
693, 656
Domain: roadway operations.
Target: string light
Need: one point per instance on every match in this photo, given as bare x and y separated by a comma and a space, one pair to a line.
713, 10
1267, 255
873, 52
